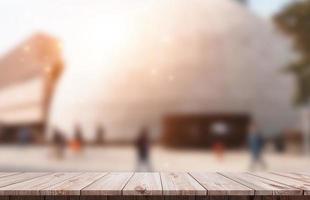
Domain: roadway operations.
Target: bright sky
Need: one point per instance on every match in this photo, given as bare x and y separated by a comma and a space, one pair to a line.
266, 8
15, 15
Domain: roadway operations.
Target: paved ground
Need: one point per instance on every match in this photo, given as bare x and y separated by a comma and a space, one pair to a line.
114, 158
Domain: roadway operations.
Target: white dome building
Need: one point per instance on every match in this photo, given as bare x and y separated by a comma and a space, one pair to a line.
179, 56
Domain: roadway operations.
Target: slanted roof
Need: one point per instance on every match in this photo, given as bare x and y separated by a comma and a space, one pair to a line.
23, 75
28, 59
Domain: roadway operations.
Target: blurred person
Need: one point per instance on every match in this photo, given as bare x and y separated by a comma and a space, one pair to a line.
24, 135
143, 151
219, 131
59, 143
279, 143
77, 144
99, 140
256, 144
1, 133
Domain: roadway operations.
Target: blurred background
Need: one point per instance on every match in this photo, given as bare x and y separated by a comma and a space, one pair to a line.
155, 85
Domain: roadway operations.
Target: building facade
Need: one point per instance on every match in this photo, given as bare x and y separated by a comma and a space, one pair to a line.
29, 73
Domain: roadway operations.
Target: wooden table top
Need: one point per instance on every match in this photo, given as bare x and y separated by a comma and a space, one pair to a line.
154, 184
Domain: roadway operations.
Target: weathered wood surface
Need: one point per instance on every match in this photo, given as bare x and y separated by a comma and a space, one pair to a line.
299, 176
3, 174
110, 184
296, 183
19, 177
154, 185
177, 183
144, 184
217, 184
72, 186
33, 186
262, 186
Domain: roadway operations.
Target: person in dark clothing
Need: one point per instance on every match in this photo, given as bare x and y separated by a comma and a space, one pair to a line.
99, 140
24, 135
256, 144
143, 151
59, 143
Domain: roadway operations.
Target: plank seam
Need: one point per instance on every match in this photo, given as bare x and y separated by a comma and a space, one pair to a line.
127, 183
161, 184
207, 192
94, 181
303, 192
59, 182
255, 192
284, 175
144, 189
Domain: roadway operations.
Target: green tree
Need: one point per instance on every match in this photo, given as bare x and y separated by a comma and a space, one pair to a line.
295, 20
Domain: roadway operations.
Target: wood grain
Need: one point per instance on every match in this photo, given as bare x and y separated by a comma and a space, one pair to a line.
144, 184
217, 184
184, 197
33, 186
299, 176
303, 185
110, 184
26, 198
19, 177
155, 186
263, 186
72, 186
178, 183
3, 174
62, 198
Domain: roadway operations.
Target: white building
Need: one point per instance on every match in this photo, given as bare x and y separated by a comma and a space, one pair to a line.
198, 56
28, 73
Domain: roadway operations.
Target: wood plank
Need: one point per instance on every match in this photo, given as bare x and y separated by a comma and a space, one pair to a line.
20, 177
217, 184
266, 197
140, 197
178, 183
110, 184
101, 197
3, 174
299, 176
262, 186
136, 186
142, 183
72, 186
62, 197
33, 186
303, 185
238, 197
184, 197
281, 198
26, 198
